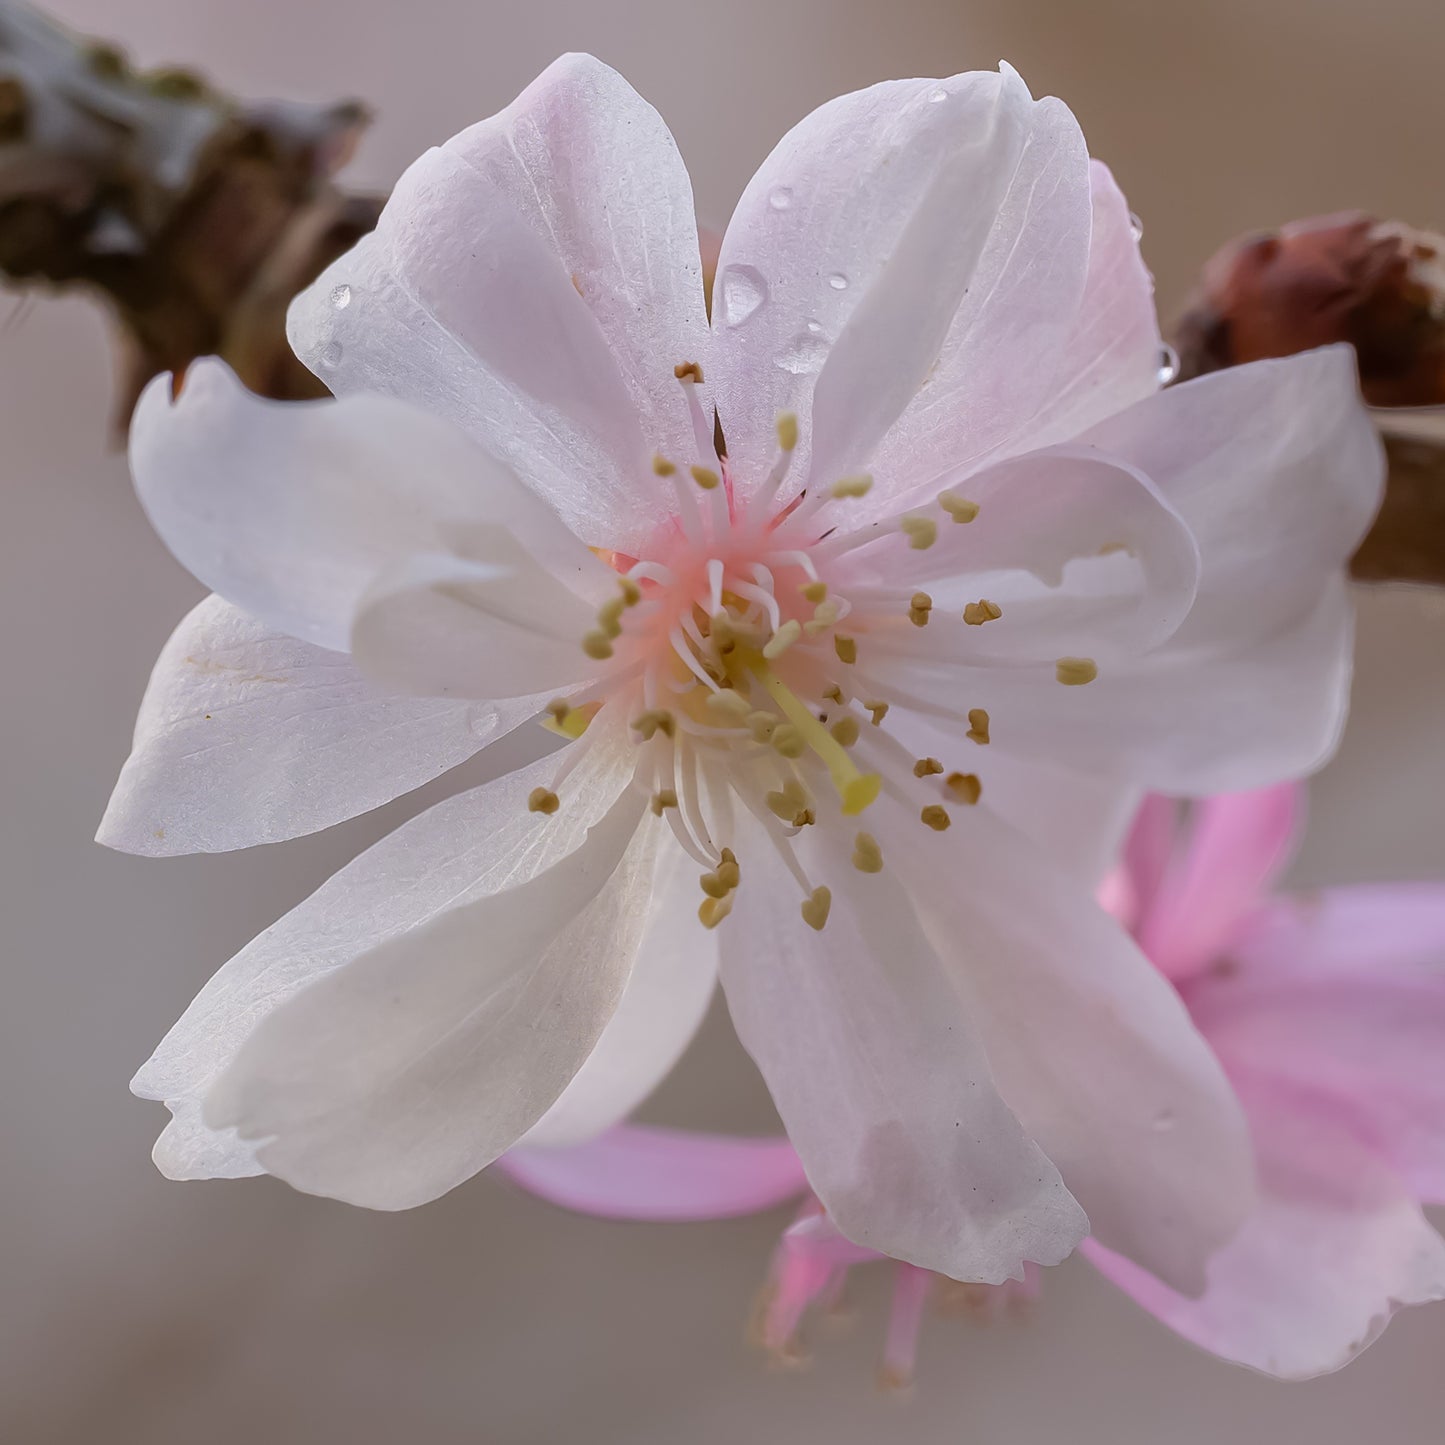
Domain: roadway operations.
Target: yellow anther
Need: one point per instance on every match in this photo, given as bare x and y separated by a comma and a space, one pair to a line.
922, 532
805, 819
977, 613
654, 721
762, 725
935, 817
927, 767
663, 798
825, 614
712, 911
834, 693
959, 508
845, 730
852, 486
631, 592
845, 647
729, 704
814, 591
543, 800
705, 477
688, 371
919, 606
978, 724
597, 644
783, 639
787, 425
789, 740
867, 855
662, 466
723, 632
1076, 671
728, 871
714, 886
816, 906
609, 616
879, 711
964, 786
568, 721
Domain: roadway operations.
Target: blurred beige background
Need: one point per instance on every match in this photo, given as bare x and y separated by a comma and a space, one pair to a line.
140, 1311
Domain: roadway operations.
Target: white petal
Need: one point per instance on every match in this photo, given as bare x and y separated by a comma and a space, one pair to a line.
466, 848
395, 1078
874, 1063
288, 509
536, 280
666, 997
1091, 1047
247, 736
452, 627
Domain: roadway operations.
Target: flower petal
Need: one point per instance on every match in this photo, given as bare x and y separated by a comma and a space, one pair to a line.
1335, 1247
667, 994
247, 736
1091, 1046
390, 1081
1234, 848
913, 223
636, 1172
469, 847
873, 1062
536, 280
288, 509
1344, 991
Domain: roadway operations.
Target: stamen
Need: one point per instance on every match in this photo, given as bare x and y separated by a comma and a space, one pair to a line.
937, 818
705, 477
845, 647
977, 613
596, 644
688, 371
543, 800
923, 768
712, 911
977, 725
834, 693
858, 486
879, 711
609, 616
789, 741
922, 532
568, 721
662, 466
1076, 671
816, 906
663, 798
814, 592
783, 639
653, 721
845, 730
762, 725
966, 787
959, 508
715, 574
787, 426
867, 855
919, 607
825, 614
631, 592
728, 704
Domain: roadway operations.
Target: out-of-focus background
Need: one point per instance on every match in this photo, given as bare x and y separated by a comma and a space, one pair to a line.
135, 1310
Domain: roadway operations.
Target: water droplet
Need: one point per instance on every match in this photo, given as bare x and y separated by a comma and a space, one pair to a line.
781, 198
817, 328
1168, 365
938, 95
331, 354
1136, 227
741, 290
805, 353
1164, 1121
341, 297
838, 281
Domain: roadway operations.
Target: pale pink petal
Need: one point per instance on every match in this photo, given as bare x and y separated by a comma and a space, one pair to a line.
641, 1172
915, 222
1233, 849
536, 280
1148, 847
1335, 1247
672, 981
1091, 1048
1344, 991
289, 509
872, 1057
467, 848
247, 736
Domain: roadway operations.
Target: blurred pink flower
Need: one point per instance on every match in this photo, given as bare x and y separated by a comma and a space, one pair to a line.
1328, 1013
951, 490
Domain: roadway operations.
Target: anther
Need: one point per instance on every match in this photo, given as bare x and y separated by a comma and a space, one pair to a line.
964, 786
1075, 671
824, 616
935, 817
654, 721
927, 767
631, 592
787, 425
568, 721
814, 592
867, 855
919, 606
879, 711
712, 911
783, 639
789, 740
977, 613
845, 647
731, 705
705, 477
609, 616
663, 798
922, 532
762, 725
543, 800
815, 908
597, 644
845, 730
834, 693
688, 371
959, 508
852, 486
661, 466
977, 725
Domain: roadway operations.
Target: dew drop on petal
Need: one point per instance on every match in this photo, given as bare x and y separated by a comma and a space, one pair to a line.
938, 95
804, 354
1168, 365
742, 290
341, 297
838, 281
331, 354
1136, 227
816, 328
781, 198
